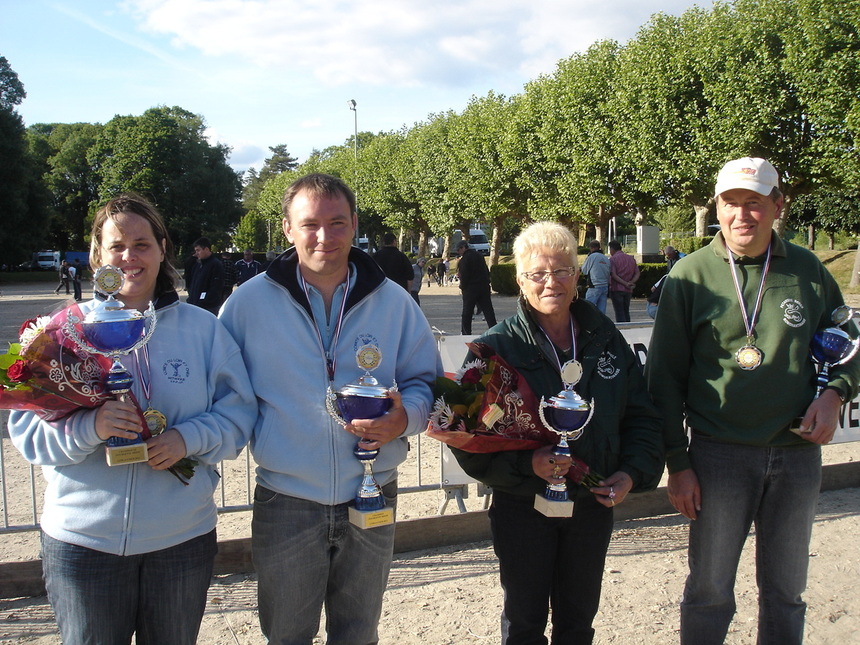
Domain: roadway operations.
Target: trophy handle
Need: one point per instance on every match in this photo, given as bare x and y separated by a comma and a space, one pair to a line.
331, 406
576, 434
150, 321
543, 420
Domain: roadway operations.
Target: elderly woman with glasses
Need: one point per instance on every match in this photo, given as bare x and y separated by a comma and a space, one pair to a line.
558, 562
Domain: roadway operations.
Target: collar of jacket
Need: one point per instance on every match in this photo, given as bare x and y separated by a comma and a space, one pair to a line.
368, 276
718, 247
591, 339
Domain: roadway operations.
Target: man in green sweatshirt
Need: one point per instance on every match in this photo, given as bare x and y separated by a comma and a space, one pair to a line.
729, 357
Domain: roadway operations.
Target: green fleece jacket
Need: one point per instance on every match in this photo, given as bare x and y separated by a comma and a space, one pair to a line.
624, 432
691, 367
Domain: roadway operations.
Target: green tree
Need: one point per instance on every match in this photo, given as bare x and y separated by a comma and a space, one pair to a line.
23, 202
11, 88
483, 174
61, 152
164, 155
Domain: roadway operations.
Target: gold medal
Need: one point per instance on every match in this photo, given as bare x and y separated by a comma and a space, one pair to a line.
155, 421
748, 357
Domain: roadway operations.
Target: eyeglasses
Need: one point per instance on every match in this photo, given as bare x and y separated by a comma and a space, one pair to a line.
542, 276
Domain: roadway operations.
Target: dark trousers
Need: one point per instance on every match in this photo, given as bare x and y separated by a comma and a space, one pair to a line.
621, 305
476, 296
547, 562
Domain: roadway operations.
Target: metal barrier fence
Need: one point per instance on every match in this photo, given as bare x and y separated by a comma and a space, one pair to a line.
427, 468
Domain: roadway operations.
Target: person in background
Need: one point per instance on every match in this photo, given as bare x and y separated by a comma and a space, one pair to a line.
475, 286
672, 257
558, 562
394, 262
332, 314
229, 274
247, 267
270, 257
597, 270
729, 359
653, 299
418, 270
431, 274
207, 280
128, 549
64, 278
625, 273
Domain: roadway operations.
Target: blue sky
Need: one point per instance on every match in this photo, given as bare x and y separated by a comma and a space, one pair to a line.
266, 72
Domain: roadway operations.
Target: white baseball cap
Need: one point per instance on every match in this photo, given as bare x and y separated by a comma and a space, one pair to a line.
752, 173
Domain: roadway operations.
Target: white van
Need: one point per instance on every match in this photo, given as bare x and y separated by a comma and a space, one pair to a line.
477, 240
48, 260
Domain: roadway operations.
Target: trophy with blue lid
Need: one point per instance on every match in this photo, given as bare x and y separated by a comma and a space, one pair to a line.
565, 414
833, 346
113, 331
364, 399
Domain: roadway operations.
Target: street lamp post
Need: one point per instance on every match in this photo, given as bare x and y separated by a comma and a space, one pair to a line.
352, 106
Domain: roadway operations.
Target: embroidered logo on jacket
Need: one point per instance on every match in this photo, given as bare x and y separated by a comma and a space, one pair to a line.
792, 312
176, 370
605, 367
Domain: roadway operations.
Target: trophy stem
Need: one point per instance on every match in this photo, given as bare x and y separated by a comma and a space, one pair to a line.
558, 492
369, 508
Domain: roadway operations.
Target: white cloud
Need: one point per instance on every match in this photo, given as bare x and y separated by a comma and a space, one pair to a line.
395, 42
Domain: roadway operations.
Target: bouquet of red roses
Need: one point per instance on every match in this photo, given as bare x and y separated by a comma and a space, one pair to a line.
47, 373
489, 407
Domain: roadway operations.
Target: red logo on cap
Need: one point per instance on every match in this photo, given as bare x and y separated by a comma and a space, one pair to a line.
748, 171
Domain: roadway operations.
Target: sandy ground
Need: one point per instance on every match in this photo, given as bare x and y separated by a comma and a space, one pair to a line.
452, 595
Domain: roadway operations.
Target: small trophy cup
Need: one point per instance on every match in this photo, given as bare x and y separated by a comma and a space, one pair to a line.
830, 347
112, 331
833, 346
566, 414
364, 399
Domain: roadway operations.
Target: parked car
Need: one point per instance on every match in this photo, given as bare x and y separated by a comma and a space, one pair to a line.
477, 240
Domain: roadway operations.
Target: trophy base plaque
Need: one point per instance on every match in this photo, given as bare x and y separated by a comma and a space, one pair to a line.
550, 508
371, 519
120, 455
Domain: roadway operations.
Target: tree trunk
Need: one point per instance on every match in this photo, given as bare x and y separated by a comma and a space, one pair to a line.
830, 241
496, 244
855, 274
701, 219
779, 223
810, 237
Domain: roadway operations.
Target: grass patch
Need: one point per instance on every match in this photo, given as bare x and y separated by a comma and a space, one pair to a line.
28, 277
841, 265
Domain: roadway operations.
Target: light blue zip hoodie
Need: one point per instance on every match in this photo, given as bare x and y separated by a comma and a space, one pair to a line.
300, 450
200, 383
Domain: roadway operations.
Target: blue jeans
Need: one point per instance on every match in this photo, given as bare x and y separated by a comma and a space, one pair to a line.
621, 305
308, 554
102, 599
777, 490
597, 297
547, 562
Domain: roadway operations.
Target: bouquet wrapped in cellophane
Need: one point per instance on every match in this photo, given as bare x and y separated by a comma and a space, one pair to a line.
489, 407
45, 371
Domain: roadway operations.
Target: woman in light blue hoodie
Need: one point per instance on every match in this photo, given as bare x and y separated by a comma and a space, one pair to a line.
129, 549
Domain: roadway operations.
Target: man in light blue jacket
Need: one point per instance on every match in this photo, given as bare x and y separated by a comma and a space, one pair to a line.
307, 323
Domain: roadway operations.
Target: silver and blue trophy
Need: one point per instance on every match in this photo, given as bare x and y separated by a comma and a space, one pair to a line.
364, 399
833, 346
113, 331
566, 414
